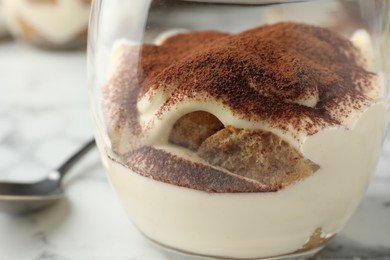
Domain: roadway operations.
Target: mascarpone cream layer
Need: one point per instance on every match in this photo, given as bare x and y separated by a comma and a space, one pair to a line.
248, 225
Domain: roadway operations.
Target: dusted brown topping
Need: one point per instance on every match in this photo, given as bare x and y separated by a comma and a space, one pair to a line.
279, 73
288, 77
120, 100
258, 155
163, 166
248, 161
285, 74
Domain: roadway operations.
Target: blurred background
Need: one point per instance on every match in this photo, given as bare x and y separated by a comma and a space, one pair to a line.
44, 118
44, 110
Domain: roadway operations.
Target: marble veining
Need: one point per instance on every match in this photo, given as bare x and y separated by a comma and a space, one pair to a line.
44, 117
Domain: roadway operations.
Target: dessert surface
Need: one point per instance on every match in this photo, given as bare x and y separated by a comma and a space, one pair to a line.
232, 111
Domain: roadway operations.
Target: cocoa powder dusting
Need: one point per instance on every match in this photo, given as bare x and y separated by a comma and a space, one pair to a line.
287, 75
266, 74
163, 166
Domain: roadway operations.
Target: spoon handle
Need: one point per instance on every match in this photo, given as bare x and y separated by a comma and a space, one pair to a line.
68, 164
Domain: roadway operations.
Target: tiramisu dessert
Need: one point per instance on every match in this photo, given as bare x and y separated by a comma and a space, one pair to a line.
49, 23
245, 145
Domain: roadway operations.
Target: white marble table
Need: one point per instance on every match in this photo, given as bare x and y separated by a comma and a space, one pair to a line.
44, 117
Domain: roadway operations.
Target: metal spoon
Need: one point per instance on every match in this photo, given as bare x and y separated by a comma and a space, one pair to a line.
24, 197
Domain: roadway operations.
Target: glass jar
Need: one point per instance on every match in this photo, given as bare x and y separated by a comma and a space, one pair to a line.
239, 129
54, 24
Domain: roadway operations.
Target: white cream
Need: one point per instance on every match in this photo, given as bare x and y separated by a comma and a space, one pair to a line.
57, 22
260, 224
253, 225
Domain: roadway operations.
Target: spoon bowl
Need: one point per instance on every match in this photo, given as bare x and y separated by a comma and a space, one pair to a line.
18, 198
